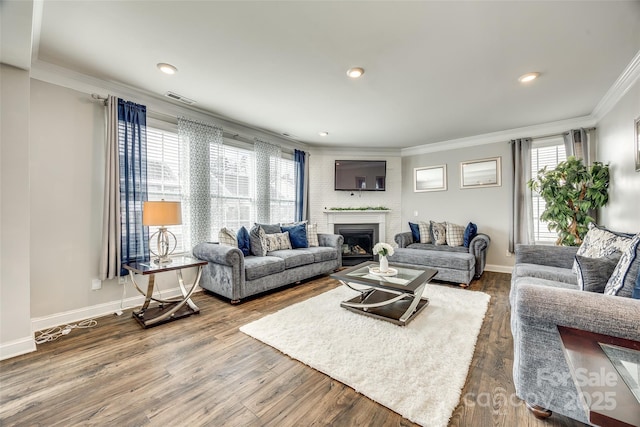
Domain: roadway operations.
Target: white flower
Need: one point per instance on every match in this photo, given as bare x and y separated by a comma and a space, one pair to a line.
383, 249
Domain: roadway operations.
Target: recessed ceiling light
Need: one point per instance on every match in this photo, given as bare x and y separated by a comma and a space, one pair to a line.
526, 78
323, 133
355, 72
167, 68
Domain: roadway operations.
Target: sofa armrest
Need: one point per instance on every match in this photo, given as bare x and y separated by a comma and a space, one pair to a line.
478, 247
404, 239
544, 307
219, 254
552, 256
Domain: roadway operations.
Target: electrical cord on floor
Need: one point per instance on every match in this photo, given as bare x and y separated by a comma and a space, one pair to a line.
56, 332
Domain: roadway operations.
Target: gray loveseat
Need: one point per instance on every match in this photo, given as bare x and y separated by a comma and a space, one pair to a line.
232, 275
456, 264
545, 294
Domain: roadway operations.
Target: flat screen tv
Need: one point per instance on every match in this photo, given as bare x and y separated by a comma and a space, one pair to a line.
360, 175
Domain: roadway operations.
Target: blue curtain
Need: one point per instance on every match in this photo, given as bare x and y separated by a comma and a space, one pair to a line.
132, 142
299, 157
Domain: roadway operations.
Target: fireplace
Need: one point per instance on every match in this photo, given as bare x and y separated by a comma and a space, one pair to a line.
358, 242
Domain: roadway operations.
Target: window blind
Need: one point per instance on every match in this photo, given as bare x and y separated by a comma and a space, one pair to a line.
544, 156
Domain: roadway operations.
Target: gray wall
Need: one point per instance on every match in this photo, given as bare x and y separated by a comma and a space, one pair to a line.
15, 316
488, 208
615, 146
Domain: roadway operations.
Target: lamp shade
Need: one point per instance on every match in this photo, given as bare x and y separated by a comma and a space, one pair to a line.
161, 213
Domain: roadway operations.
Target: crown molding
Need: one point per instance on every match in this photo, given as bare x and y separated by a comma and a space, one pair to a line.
535, 131
60, 76
625, 81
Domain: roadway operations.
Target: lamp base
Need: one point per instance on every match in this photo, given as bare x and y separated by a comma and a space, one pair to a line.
164, 245
163, 261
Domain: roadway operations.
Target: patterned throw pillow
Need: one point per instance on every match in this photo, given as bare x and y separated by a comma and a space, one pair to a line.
277, 241
227, 237
425, 232
593, 273
455, 234
439, 230
258, 241
312, 235
600, 242
623, 278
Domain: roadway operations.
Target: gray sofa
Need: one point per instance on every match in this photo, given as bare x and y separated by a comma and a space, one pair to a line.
232, 275
456, 264
544, 294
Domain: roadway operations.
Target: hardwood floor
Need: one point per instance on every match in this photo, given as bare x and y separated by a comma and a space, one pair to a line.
202, 371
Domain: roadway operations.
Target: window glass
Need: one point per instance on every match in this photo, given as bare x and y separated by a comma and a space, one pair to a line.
548, 154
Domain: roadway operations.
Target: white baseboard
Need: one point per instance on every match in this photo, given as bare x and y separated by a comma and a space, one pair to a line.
105, 309
17, 347
499, 268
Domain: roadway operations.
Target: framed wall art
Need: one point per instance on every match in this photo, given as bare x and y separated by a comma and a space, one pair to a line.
636, 140
431, 178
481, 173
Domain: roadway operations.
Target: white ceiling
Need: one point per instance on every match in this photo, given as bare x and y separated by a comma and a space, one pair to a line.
435, 71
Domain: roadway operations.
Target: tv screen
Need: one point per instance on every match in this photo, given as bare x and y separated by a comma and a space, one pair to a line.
361, 175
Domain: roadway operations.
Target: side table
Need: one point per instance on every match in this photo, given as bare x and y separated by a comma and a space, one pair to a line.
167, 309
605, 371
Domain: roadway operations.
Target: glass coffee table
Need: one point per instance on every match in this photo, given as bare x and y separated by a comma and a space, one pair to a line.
394, 298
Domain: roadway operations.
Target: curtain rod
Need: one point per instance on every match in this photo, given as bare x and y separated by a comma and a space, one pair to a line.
553, 135
174, 120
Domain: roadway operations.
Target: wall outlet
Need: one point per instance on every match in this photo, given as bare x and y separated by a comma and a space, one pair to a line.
508, 254
415, 213
96, 284
122, 280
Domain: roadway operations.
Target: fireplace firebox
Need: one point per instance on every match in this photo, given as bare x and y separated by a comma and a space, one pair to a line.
359, 240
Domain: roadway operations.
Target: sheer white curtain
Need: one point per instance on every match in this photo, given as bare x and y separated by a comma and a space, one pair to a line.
268, 181
201, 142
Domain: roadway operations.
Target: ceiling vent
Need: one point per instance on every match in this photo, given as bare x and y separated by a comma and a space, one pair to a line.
180, 98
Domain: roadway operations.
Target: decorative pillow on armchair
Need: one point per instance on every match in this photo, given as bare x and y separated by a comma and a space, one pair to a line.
593, 273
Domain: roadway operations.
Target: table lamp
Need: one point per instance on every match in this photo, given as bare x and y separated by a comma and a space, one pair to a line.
162, 214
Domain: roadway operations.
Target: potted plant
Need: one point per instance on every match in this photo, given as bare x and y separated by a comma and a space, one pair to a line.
571, 192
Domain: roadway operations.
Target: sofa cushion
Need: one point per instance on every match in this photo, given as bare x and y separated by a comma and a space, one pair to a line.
258, 241
439, 230
256, 267
593, 273
270, 228
435, 258
294, 257
455, 234
469, 233
297, 235
546, 272
424, 229
323, 253
623, 278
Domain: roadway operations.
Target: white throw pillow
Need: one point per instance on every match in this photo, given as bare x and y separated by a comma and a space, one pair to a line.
425, 232
455, 234
277, 241
312, 235
227, 237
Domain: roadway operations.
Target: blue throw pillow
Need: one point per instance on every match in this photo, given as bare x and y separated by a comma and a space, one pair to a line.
636, 289
415, 232
244, 243
469, 233
297, 235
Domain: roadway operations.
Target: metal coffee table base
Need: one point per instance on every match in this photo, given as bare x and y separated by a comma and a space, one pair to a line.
399, 309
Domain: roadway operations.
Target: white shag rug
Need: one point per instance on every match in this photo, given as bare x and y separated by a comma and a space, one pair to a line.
417, 370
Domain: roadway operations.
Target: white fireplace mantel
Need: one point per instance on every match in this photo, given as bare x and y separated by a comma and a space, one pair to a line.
358, 217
